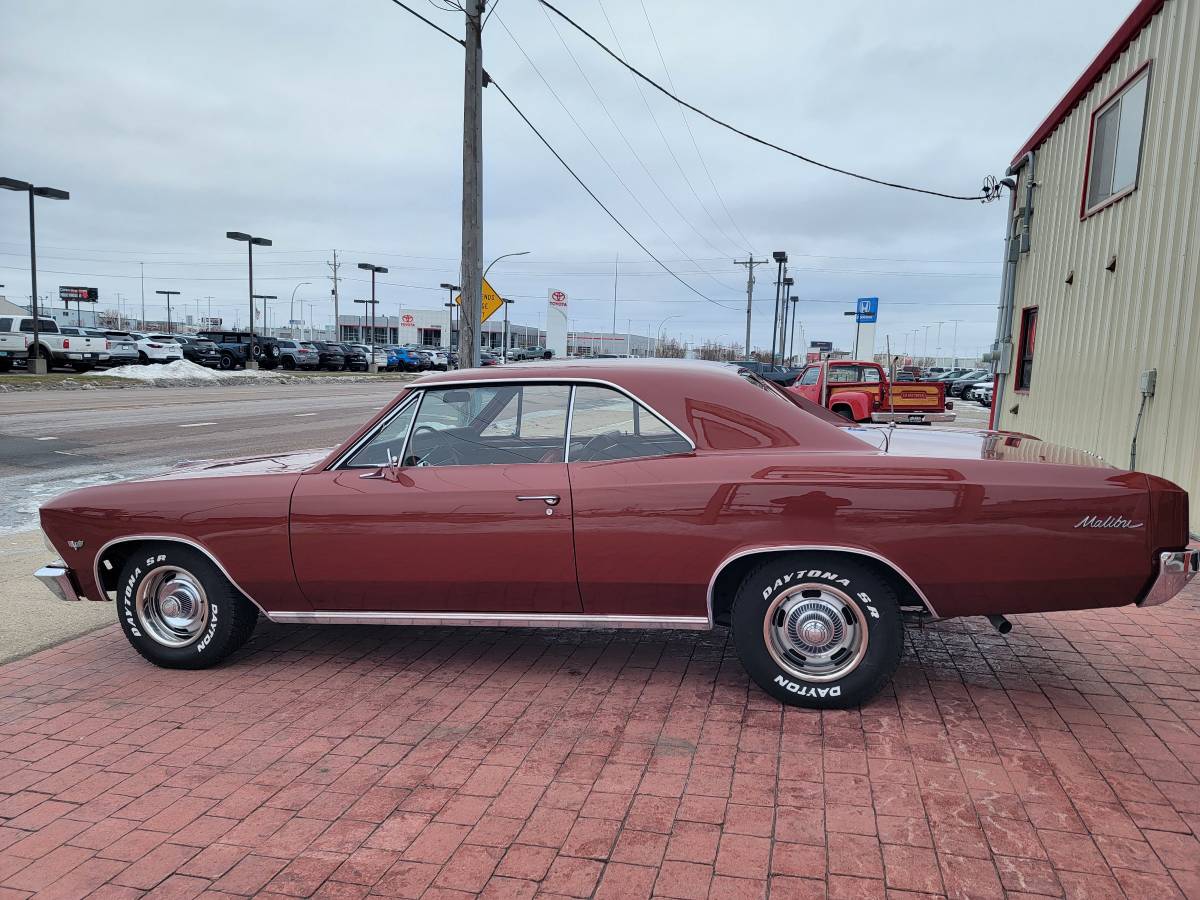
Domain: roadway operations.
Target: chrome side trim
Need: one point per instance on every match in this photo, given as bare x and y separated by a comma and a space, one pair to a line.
508, 620
1175, 570
570, 424
827, 548
176, 539
57, 578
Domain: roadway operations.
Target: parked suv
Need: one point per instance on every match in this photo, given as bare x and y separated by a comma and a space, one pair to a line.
122, 348
402, 359
332, 356
201, 351
156, 348
356, 357
298, 355
530, 353
235, 347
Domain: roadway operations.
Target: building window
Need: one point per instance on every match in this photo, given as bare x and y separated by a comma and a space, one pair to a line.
1025, 349
1116, 144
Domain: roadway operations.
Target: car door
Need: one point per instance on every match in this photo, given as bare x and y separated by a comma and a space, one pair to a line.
634, 480
808, 384
475, 517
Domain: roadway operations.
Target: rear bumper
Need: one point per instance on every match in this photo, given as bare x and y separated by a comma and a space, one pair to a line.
1175, 570
59, 579
912, 418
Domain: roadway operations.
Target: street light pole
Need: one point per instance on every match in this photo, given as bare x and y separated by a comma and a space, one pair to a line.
36, 364
795, 300
251, 242
292, 302
373, 269
451, 342
658, 332
504, 354
168, 295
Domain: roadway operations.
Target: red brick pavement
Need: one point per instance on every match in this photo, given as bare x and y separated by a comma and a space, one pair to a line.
1062, 760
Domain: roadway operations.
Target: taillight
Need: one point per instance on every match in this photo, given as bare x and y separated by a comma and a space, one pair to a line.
108, 345
155, 346
66, 343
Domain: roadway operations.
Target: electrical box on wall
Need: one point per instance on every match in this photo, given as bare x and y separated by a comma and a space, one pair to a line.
1147, 382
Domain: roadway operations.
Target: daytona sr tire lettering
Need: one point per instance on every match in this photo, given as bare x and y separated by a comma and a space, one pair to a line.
817, 630
178, 610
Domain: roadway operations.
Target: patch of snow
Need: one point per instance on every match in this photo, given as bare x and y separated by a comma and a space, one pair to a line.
181, 370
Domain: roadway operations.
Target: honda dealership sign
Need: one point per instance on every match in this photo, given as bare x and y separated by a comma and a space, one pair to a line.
556, 324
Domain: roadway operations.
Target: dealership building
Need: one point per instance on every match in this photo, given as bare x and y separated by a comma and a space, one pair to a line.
1098, 339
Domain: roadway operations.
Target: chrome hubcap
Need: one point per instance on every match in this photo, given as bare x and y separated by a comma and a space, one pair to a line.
815, 632
171, 606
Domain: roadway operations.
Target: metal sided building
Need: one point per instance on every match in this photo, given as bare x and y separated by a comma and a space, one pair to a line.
1102, 275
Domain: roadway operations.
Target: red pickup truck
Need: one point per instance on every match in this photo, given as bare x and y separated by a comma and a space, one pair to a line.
860, 391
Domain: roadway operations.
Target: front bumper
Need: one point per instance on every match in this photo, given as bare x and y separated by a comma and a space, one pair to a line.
1175, 570
59, 579
913, 418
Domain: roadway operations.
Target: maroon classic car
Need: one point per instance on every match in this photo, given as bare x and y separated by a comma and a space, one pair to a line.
625, 494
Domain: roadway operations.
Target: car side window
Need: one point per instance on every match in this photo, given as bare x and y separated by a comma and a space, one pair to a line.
608, 425
387, 443
810, 376
502, 424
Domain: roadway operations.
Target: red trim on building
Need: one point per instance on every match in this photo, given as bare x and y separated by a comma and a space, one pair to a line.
1130, 28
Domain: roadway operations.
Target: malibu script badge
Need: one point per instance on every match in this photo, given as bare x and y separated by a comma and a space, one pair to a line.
1107, 522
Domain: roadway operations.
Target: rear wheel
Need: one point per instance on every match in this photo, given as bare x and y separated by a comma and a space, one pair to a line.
818, 631
178, 610
5, 365
227, 361
844, 412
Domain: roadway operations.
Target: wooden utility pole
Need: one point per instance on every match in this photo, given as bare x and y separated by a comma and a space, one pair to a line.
750, 262
472, 193
335, 265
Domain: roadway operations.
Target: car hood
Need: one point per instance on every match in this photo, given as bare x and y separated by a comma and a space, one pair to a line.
960, 443
277, 464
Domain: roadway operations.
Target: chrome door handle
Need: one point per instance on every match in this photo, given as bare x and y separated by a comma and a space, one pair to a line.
551, 499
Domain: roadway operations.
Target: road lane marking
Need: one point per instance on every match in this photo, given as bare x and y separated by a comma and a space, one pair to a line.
197, 424
301, 415
47, 439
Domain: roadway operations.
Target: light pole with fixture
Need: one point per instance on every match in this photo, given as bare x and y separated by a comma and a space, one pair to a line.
251, 243
36, 364
447, 286
373, 269
168, 295
507, 304
292, 304
658, 332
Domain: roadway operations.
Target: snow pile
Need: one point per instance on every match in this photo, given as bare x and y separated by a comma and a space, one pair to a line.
180, 371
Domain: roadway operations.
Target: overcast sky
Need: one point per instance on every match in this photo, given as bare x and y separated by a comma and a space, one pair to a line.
338, 125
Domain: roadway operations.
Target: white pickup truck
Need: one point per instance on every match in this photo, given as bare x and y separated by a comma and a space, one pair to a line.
79, 352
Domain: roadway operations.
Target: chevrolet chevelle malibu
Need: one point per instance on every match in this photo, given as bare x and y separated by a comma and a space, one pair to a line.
625, 494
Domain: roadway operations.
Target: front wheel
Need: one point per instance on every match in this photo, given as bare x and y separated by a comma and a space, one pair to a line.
227, 362
178, 610
818, 631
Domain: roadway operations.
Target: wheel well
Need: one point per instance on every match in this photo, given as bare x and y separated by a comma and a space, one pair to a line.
840, 407
725, 585
115, 556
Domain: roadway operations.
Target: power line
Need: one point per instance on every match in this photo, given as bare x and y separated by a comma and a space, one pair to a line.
892, 184
658, 126
599, 202
687, 124
431, 24
633, 195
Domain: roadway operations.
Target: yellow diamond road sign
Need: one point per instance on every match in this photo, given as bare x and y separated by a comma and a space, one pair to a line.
491, 301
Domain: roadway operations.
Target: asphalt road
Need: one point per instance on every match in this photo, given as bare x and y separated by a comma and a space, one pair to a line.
54, 441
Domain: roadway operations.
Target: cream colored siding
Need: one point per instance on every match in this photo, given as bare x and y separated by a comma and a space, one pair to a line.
1097, 335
